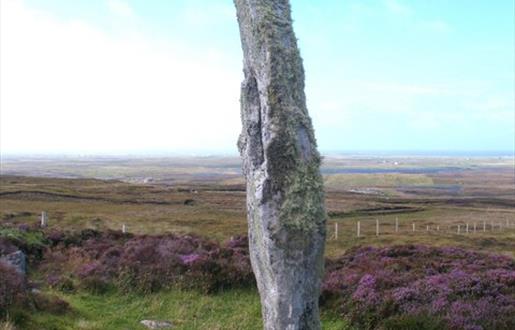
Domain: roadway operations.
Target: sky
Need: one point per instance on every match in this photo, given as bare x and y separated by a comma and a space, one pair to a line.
163, 76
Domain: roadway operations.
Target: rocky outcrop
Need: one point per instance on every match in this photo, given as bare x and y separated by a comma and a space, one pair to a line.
17, 260
153, 324
285, 200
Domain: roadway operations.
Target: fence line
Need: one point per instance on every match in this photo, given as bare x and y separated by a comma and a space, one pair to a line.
460, 228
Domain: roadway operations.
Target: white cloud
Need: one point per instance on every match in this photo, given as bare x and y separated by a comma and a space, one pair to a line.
398, 8
120, 8
405, 89
208, 14
436, 26
68, 86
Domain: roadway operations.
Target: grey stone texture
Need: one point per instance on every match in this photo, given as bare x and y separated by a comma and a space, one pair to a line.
285, 199
17, 260
156, 324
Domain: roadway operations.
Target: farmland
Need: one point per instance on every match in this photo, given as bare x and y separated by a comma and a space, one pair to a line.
206, 196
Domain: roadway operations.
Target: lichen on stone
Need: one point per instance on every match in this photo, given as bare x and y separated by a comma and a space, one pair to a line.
285, 197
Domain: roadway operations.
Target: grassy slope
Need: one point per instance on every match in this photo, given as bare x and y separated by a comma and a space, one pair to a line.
234, 309
337, 181
492, 240
221, 214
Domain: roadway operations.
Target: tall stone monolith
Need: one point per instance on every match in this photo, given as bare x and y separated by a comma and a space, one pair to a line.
285, 200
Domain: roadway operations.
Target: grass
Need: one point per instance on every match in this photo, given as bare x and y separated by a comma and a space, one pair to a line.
221, 214
234, 309
28, 237
7, 326
339, 181
31, 239
497, 240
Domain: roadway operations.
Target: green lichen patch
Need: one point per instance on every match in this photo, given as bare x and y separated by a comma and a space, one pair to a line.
303, 205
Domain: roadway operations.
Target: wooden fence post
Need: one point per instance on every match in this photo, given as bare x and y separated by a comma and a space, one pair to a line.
124, 228
458, 229
467, 228
413, 226
358, 229
397, 224
335, 231
377, 227
44, 219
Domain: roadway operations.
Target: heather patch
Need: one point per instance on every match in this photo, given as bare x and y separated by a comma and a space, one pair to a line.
423, 287
12, 287
99, 261
399, 287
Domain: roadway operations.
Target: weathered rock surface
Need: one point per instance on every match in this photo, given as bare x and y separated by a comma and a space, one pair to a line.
285, 200
17, 260
154, 324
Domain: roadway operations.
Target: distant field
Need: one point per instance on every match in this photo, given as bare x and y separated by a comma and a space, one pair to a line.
342, 181
206, 196
215, 168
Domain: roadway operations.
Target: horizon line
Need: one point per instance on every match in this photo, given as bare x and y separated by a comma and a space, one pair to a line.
219, 153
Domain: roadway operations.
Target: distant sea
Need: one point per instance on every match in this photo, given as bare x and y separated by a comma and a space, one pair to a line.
424, 153
206, 153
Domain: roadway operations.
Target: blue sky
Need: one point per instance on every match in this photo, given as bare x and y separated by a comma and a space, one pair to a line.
101, 76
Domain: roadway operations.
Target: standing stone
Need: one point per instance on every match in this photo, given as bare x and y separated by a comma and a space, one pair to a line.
285, 200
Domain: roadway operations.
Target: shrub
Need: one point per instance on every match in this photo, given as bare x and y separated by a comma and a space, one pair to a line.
6, 246
12, 287
49, 303
410, 322
55, 237
399, 287
31, 242
61, 283
422, 287
95, 284
146, 263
